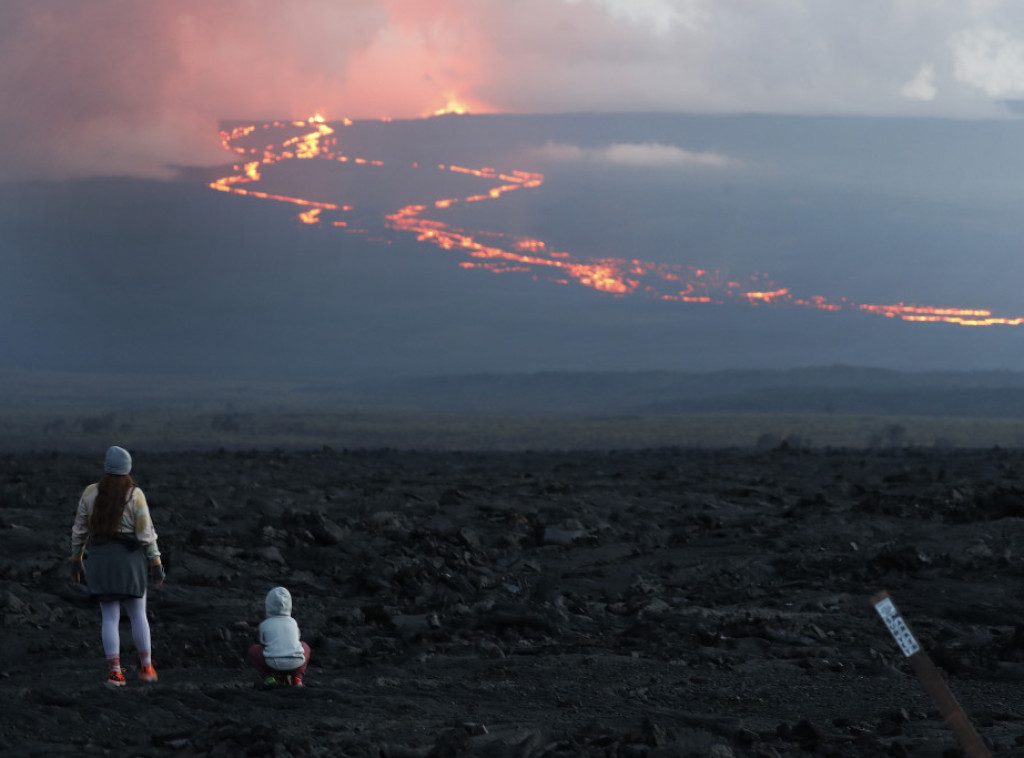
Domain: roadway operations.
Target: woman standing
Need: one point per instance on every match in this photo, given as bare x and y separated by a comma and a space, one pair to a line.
113, 531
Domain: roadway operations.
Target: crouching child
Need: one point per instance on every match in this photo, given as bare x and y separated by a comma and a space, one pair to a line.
280, 657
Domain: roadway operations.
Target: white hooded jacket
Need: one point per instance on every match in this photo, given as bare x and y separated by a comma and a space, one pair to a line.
279, 633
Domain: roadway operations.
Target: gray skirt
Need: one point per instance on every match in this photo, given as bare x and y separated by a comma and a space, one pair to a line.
116, 569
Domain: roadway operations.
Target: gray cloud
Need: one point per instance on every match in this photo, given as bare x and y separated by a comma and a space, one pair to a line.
989, 59
639, 155
119, 86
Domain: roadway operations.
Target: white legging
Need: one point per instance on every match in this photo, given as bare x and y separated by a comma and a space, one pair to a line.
111, 610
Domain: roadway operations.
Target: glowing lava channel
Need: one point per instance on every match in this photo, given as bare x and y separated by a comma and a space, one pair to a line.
503, 253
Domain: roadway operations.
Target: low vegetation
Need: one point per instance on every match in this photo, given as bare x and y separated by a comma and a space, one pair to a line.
80, 412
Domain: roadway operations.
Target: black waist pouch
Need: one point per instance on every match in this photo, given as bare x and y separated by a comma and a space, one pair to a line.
128, 541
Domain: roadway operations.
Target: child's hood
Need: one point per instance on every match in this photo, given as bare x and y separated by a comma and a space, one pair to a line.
279, 602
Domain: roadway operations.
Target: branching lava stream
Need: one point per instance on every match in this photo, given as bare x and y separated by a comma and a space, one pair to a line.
502, 253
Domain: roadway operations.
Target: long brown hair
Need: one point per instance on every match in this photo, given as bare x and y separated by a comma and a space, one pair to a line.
111, 496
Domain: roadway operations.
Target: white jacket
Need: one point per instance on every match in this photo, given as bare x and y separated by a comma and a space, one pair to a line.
279, 633
134, 520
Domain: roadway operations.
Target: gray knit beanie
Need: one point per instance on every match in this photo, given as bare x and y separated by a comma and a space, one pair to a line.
118, 461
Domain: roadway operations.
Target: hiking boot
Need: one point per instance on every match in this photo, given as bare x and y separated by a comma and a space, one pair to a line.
296, 680
148, 674
116, 679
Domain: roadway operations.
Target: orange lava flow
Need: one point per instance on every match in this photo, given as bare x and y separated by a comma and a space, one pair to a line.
501, 253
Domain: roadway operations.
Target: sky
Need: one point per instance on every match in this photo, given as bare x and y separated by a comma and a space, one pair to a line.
111, 87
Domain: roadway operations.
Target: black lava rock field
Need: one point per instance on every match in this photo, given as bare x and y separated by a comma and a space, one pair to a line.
640, 604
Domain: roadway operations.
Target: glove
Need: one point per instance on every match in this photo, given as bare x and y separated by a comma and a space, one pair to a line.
156, 573
77, 572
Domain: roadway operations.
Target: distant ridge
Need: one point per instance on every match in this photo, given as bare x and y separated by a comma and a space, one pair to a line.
833, 389
817, 390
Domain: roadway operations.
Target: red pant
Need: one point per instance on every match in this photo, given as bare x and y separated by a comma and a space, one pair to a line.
258, 662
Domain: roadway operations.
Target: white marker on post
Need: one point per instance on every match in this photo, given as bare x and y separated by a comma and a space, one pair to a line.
897, 627
931, 679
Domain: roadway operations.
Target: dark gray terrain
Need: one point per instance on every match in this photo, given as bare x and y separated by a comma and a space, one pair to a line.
637, 604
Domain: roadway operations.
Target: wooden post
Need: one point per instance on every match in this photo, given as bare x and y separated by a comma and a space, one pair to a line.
930, 677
